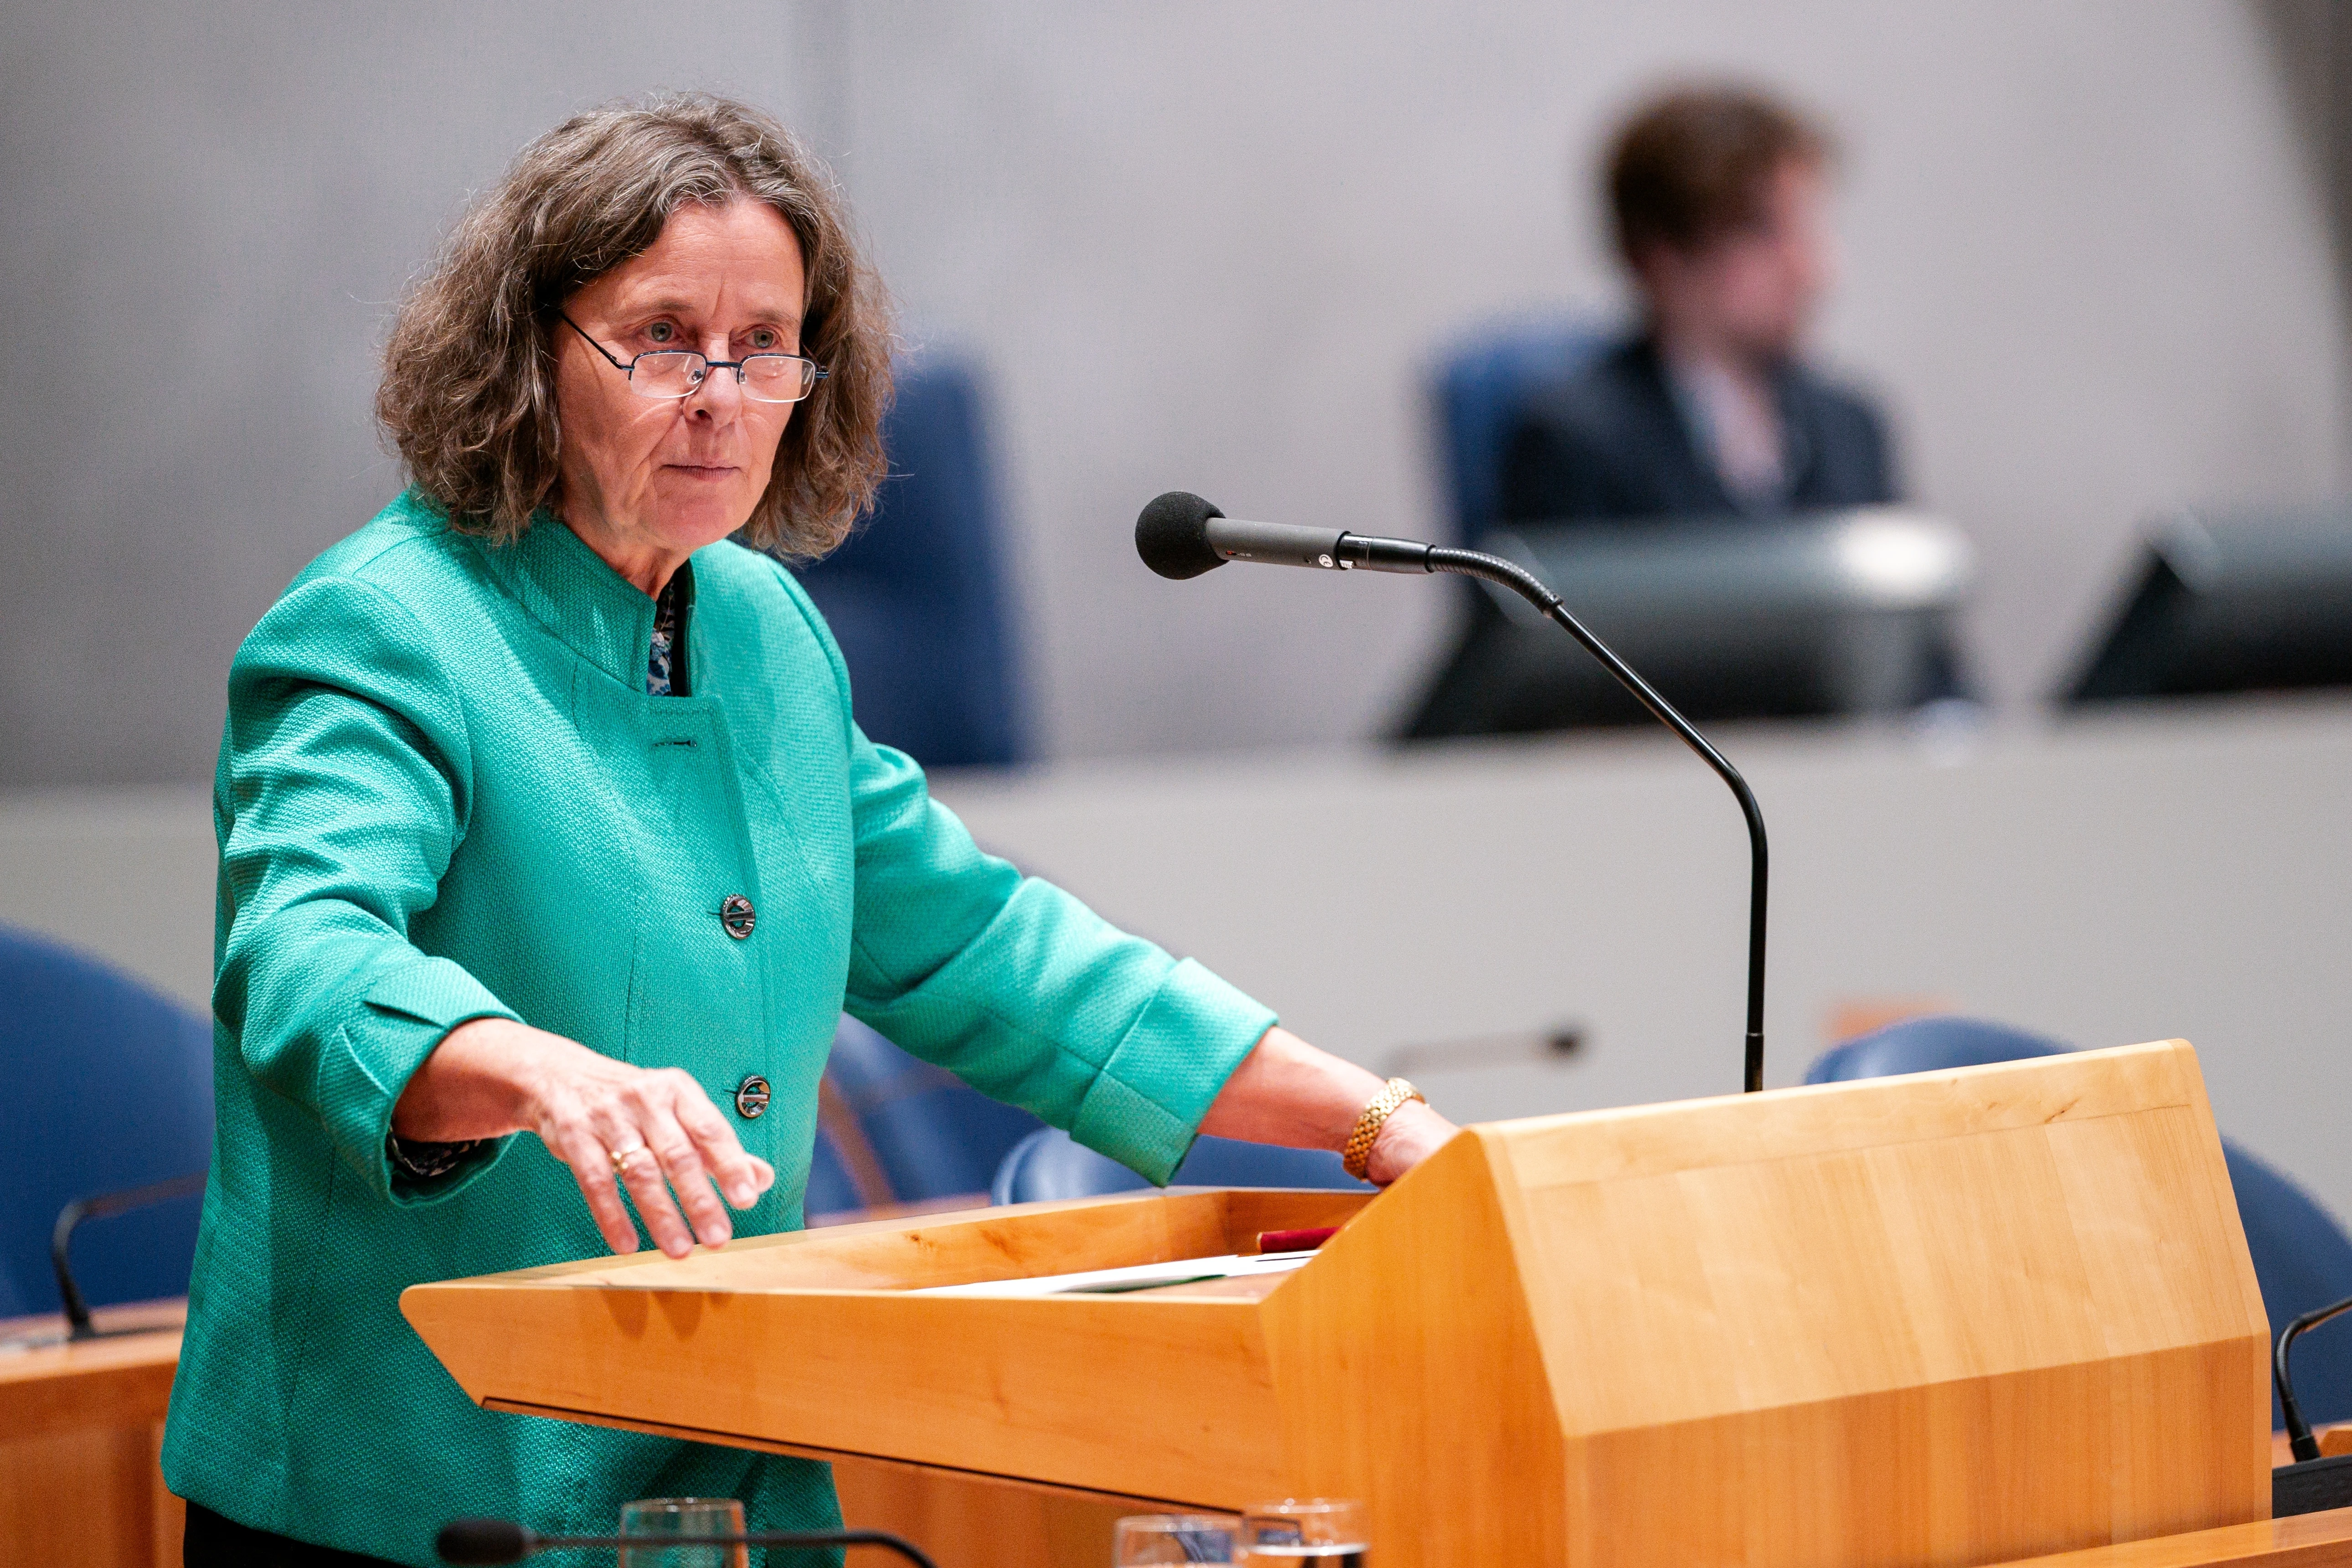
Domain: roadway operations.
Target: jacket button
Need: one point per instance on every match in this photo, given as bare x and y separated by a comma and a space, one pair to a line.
736, 915
752, 1097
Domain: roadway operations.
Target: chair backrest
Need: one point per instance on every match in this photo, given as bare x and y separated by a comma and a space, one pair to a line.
1485, 383
1049, 1165
2301, 1256
917, 597
933, 1135
109, 1085
831, 1188
1928, 1045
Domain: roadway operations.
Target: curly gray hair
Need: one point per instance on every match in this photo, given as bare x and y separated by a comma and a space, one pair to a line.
467, 397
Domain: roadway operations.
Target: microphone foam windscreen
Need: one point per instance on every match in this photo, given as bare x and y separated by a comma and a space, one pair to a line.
482, 1540
1172, 536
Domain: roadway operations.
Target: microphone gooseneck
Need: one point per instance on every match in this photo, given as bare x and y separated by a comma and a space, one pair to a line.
2298, 1431
1494, 569
1176, 530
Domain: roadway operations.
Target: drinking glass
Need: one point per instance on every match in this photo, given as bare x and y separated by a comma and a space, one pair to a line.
1328, 1531
1150, 1537
658, 1516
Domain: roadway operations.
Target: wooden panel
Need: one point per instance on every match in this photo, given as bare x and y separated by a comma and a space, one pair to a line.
1937, 1320
972, 1521
82, 1431
81, 1480
1056, 1390
1412, 1377
1951, 1319
2307, 1540
1119, 1393
1957, 1473
1738, 1129
79, 1498
122, 1382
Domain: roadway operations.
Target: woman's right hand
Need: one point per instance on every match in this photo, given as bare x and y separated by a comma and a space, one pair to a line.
493, 1077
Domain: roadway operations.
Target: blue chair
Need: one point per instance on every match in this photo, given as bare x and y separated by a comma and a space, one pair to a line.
109, 1085
2302, 1257
1049, 1165
933, 1135
917, 597
831, 1188
1485, 382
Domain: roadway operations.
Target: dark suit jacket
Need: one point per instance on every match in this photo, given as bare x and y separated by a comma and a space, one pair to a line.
1611, 444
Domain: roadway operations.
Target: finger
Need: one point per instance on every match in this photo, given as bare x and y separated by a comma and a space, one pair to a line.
738, 1174
616, 1127
643, 1177
681, 1161
592, 1166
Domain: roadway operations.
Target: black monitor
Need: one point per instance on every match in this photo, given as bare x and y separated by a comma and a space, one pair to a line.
2255, 601
1841, 613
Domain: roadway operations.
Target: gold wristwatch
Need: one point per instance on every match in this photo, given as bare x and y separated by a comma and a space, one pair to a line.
1357, 1155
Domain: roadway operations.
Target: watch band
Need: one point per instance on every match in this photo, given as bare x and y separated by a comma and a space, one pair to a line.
1357, 1155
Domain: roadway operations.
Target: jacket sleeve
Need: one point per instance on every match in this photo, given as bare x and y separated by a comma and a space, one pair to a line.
1018, 988
341, 798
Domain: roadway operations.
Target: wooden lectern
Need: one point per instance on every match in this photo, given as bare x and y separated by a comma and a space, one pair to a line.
1955, 1318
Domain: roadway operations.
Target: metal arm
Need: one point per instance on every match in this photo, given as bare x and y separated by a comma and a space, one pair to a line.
78, 1323
1405, 555
2298, 1430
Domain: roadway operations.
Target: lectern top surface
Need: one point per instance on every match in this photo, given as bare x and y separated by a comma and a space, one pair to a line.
978, 1247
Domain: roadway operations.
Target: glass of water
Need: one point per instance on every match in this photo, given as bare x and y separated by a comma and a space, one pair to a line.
656, 1517
1329, 1532
1150, 1537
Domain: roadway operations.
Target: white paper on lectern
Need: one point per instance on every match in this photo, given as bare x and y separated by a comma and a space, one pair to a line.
1140, 1276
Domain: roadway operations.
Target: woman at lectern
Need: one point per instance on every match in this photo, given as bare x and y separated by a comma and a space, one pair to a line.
541, 811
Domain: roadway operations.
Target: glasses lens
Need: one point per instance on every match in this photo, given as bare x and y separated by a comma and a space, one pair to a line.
667, 375
778, 378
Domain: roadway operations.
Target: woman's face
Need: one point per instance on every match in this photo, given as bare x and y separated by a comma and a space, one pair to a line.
646, 481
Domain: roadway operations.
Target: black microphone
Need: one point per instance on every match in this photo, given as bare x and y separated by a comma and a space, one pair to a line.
105, 1206
2298, 1430
486, 1540
1179, 535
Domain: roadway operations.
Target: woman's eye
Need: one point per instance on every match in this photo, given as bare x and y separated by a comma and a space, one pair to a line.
765, 341
661, 333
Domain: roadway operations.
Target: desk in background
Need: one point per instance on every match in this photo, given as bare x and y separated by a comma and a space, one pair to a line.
2182, 871
81, 1433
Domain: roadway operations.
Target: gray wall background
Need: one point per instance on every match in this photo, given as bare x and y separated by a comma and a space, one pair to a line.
1215, 247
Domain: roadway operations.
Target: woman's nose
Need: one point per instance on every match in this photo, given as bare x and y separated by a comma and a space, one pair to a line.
721, 396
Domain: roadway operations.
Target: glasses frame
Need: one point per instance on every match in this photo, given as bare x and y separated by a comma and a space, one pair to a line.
814, 374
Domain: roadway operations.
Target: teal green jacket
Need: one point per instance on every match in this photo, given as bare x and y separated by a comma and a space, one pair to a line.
445, 794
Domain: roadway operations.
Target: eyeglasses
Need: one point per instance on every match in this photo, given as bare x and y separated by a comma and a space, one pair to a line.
679, 373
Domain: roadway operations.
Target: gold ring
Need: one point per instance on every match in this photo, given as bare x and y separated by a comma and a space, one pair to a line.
620, 1158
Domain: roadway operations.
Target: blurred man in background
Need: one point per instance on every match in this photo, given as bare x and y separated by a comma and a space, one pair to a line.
1719, 196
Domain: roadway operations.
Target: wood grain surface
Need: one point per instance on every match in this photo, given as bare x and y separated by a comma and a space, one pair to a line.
1952, 1319
2308, 1541
81, 1432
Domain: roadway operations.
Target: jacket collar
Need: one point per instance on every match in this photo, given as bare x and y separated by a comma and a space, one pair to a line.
567, 588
